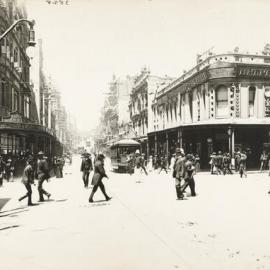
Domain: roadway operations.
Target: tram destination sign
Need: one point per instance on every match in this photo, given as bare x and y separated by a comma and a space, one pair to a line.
259, 72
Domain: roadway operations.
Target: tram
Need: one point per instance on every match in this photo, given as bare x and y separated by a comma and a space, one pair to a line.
119, 152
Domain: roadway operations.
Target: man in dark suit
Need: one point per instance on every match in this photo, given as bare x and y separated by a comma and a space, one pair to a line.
99, 173
42, 175
86, 168
179, 171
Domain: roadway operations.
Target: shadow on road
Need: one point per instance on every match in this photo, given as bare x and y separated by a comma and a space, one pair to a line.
14, 209
13, 213
9, 227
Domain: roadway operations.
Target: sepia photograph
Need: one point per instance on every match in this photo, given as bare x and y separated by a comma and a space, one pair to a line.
134, 135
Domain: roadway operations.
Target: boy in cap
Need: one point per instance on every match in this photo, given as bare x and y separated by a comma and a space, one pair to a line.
28, 180
189, 173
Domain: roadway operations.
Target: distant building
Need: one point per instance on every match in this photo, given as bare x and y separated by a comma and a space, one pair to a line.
141, 97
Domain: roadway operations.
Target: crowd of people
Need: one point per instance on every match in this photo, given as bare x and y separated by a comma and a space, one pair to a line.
39, 167
221, 163
42, 169
182, 166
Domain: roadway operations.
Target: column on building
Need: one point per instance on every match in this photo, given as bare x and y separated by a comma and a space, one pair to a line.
207, 102
169, 114
187, 109
261, 102
244, 100
201, 102
173, 112
178, 108
195, 105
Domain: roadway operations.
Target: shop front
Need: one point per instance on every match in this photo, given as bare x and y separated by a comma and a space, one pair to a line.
206, 139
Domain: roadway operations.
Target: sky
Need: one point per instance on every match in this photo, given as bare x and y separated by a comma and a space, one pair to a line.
88, 41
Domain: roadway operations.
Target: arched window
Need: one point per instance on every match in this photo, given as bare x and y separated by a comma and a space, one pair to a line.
222, 108
251, 100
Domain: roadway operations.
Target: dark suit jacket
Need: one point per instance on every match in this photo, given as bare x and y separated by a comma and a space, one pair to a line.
99, 172
42, 169
179, 167
86, 165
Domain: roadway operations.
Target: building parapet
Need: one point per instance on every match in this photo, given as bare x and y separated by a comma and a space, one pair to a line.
237, 58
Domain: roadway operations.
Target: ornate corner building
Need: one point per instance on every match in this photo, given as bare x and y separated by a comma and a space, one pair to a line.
222, 104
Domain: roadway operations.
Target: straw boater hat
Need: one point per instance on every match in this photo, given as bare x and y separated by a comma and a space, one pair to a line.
137, 151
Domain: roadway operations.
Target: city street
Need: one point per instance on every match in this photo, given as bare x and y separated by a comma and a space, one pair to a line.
142, 227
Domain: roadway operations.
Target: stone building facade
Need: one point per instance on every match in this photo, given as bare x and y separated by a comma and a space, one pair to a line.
222, 104
20, 127
141, 98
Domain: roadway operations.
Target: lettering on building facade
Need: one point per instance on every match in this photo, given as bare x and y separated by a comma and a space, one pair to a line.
254, 72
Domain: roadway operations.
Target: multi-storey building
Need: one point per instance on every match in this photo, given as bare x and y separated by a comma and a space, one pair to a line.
20, 127
223, 103
115, 114
142, 95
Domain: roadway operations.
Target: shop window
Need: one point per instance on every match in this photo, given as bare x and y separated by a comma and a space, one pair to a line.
222, 107
3, 90
251, 100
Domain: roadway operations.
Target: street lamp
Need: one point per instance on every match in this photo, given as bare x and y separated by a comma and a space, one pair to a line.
31, 41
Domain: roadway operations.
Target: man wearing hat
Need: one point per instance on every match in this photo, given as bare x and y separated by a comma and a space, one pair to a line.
243, 164
179, 171
42, 175
28, 180
163, 165
219, 162
9, 170
212, 162
86, 168
99, 174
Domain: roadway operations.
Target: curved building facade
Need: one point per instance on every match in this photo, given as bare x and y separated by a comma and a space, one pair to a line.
222, 104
